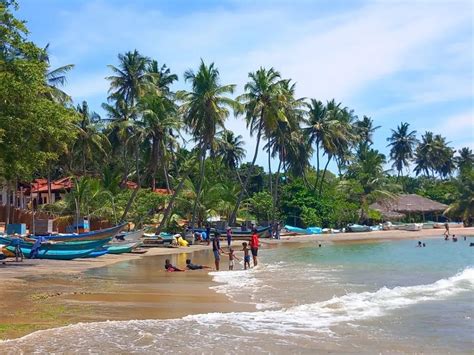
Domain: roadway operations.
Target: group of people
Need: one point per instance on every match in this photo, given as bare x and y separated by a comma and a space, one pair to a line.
247, 249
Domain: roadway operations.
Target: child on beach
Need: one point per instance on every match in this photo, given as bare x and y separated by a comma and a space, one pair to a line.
192, 266
231, 258
246, 250
170, 267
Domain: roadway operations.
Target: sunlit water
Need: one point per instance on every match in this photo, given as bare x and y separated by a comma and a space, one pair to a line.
377, 297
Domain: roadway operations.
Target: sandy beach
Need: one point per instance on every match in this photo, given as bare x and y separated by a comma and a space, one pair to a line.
40, 294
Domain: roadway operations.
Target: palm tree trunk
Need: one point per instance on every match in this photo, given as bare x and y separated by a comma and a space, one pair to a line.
135, 192
324, 175
275, 196
167, 180
270, 178
317, 165
169, 208
247, 178
201, 178
7, 205
49, 184
154, 162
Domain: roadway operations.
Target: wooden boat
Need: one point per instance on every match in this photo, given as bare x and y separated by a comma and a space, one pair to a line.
413, 227
55, 254
239, 234
450, 224
94, 235
98, 252
129, 237
358, 228
121, 248
292, 229
51, 245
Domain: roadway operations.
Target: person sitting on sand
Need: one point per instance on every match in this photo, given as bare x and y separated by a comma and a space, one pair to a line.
192, 266
231, 258
245, 249
170, 267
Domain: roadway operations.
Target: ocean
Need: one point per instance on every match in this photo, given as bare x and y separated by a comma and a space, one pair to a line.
378, 297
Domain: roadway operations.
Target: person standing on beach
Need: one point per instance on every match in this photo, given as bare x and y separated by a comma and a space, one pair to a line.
216, 249
229, 236
446, 232
254, 246
208, 232
245, 249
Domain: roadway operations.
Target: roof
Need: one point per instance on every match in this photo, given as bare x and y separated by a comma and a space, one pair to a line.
163, 191
410, 203
41, 185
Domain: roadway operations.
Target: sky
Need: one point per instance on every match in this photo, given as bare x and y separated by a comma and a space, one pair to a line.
394, 61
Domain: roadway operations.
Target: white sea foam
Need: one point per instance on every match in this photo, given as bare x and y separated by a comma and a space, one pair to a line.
209, 330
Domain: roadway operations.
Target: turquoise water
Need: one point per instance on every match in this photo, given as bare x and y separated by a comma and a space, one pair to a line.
380, 297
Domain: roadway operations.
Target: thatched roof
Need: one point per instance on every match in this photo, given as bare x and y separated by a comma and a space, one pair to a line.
408, 204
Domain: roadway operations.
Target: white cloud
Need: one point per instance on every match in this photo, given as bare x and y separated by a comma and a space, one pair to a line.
337, 54
459, 126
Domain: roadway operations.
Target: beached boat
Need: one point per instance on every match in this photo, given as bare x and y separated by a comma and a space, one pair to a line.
413, 227
122, 248
357, 228
239, 234
450, 224
94, 235
54, 254
292, 229
314, 230
52, 245
129, 237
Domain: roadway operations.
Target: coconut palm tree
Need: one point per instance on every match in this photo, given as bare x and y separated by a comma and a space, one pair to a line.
131, 79
365, 129
424, 155
91, 140
318, 128
262, 107
402, 143
205, 108
56, 78
465, 159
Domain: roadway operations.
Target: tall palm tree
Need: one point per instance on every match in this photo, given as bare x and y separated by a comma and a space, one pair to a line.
318, 128
131, 79
465, 159
56, 78
91, 140
230, 149
205, 108
402, 143
424, 159
365, 129
262, 107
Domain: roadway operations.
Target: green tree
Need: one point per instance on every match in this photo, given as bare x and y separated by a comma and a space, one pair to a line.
205, 108
262, 108
402, 144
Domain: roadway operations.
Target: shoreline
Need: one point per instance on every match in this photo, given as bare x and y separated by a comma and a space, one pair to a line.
41, 294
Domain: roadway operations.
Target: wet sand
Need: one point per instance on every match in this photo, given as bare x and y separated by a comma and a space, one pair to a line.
83, 291
40, 294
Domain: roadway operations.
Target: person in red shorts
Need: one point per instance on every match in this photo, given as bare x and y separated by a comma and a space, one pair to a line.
254, 246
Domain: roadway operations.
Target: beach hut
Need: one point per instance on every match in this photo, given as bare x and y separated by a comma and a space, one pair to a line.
408, 206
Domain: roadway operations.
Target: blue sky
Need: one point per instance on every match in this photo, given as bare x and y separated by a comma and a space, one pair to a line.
391, 60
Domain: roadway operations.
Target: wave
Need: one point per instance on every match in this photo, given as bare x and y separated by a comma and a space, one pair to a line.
205, 331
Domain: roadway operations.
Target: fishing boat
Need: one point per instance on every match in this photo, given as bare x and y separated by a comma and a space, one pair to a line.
314, 230
297, 230
413, 227
122, 248
94, 235
97, 252
357, 228
156, 240
129, 237
54, 254
238, 233
52, 245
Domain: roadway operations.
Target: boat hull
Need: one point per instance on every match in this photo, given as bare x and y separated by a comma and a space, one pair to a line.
55, 254
94, 235
47, 245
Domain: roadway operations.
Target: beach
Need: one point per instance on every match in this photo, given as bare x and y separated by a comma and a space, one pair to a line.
41, 294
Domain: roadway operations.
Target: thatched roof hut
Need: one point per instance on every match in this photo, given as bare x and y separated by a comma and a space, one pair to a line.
402, 205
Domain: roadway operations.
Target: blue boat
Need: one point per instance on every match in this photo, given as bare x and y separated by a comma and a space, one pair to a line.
98, 252
314, 230
54, 254
295, 229
48, 245
94, 235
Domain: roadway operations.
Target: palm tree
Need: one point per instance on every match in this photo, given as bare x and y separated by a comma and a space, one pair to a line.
465, 159
318, 128
131, 79
402, 143
56, 78
365, 129
91, 140
424, 157
205, 108
262, 107
230, 149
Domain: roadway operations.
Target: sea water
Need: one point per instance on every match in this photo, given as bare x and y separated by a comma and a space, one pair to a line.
387, 297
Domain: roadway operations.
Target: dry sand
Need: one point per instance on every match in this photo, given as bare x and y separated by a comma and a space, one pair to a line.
39, 294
